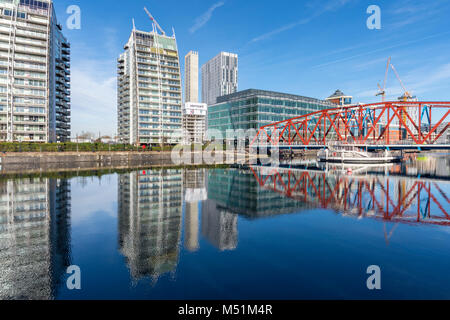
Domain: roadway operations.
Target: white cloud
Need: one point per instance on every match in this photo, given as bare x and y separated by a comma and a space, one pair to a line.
406, 12
279, 30
91, 197
204, 18
329, 6
94, 102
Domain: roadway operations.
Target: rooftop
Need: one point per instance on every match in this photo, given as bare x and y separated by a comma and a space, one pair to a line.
338, 94
250, 93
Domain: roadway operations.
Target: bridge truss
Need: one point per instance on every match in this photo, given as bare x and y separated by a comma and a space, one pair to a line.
421, 123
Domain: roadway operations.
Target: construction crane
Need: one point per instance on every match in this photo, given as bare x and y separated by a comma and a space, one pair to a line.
382, 91
155, 22
407, 95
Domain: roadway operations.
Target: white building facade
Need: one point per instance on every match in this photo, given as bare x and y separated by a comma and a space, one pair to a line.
34, 73
194, 122
149, 90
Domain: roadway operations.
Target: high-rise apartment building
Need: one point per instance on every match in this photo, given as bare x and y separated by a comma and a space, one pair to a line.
191, 77
149, 90
34, 73
219, 77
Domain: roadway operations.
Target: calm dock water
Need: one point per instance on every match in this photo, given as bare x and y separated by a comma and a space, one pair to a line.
295, 232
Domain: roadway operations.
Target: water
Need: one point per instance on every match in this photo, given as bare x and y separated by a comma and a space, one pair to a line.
229, 233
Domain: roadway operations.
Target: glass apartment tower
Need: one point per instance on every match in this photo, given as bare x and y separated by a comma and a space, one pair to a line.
219, 77
149, 90
34, 73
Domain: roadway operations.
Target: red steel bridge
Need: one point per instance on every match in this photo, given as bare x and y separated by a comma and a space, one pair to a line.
393, 199
378, 124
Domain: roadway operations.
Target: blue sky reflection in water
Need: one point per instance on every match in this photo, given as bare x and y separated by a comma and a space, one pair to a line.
229, 233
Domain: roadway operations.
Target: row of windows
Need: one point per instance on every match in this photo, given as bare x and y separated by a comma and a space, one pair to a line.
165, 126
166, 114
155, 106
20, 15
28, 82
29, 100
146, 125
30, 109
272, 102
33, 92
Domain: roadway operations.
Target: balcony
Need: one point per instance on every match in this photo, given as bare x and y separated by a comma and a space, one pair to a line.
65, 126
65, 50
63, 119
63, 112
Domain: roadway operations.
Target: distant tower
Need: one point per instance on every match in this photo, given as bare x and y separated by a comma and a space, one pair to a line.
191, 77
219, 77
194, 113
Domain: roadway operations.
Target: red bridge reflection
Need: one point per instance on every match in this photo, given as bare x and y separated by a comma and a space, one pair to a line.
394, 199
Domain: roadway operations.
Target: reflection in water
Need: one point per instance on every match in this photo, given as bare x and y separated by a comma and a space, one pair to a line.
390, 199
194, 183
237, 191
219, 226
150, 217
34, 237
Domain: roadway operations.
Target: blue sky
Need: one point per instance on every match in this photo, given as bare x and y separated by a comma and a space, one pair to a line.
306, 47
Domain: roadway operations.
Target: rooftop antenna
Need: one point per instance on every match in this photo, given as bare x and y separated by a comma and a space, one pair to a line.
154, 21
134, 26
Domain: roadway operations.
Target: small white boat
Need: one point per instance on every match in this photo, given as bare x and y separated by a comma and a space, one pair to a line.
357, 157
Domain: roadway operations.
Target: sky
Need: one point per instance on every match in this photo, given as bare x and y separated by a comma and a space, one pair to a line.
310, 48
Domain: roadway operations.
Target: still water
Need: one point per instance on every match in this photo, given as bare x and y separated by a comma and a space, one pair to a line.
297, 232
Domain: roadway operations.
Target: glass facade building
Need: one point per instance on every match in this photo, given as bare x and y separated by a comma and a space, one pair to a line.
252, 109
34, 73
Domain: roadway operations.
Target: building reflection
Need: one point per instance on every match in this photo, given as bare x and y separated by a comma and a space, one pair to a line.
150, 221
151, 204
34, 237
236, 191
194, 184
219, 226
233, 192
436, 167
